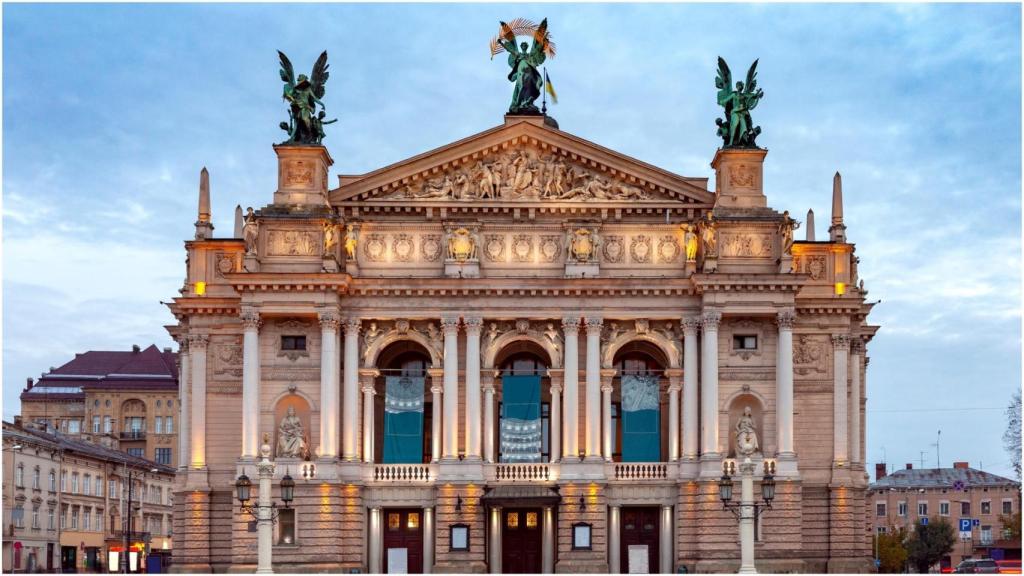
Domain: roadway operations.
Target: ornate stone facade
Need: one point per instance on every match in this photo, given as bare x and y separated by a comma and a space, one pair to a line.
524, 256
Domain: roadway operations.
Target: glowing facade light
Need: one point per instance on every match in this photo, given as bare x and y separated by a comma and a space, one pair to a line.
200, 288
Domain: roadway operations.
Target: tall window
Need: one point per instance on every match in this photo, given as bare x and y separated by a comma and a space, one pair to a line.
18, 516
19, 476
525, 416
64, 481
922, 508
63, 517
1007, 506
87, 484
880, 509
74, 483
638, 434
286, 526
901, 509
99, 486
74, 518
35, 478
965, 509
95, 424
169, 423
986, 507
403, 411
98, 525
136, 426
943, 508
49, 520
158, 427
35, 518
163, 456
107, 425
53, 481
986, 535
111, 489
87, 519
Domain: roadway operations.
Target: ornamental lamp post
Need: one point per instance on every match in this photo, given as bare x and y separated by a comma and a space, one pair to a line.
747, 510
265, 511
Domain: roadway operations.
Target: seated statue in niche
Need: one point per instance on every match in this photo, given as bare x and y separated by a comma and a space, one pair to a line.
746, 435
291, 438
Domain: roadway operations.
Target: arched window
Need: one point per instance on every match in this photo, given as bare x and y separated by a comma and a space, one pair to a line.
524, 408
639, 408
403, 408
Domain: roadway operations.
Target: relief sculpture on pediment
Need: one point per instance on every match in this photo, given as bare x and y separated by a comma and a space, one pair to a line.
293, 243
523, 174
746, 245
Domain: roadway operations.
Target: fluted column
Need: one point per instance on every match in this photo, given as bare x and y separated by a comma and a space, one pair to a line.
709, 384
555, 434
690, 372
593, 392
473, 387
856, 353
436, 377
350, 392
840, 414
487, 383
450, 445
184, 391
368, 376
250, 381
784, 383
607, 376
570, 411
329, 322
675, 384
197, 346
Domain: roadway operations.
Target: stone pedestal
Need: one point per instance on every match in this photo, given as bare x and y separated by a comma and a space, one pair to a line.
691, 268
302, 175
739, 181
330, 264
352, 267
455, 269
786, 264
251, 263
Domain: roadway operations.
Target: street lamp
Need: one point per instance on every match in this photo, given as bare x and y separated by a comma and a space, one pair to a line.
746, 510
264, 511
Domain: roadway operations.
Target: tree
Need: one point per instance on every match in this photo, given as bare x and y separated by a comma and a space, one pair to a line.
929, 543
1011, 526
1011, 438
892, 554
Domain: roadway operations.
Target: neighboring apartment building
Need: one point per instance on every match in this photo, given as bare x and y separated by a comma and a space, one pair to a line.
125, 400
64, 499
904, 497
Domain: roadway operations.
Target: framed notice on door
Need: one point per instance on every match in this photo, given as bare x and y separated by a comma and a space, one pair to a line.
398, 560
459, 537
581, 536
638, 559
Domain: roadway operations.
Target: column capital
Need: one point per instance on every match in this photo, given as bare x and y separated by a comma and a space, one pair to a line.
556, 388
556, 374
329, 320
674, 374
785, 318
352, 326
369, 389
571, 324
607, 387
368, 373
251, 318
182, 341
198, 341
473, 323
594, 324
857, 346
710, 319
450, 324
436, 389
607, 375
841, 341
690, 324
435, 373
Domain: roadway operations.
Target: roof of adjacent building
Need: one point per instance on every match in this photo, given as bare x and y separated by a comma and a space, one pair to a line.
137, 369
940, 478
59, 441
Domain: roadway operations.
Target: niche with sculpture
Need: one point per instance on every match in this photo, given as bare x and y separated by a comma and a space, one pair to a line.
292, 428
746, 427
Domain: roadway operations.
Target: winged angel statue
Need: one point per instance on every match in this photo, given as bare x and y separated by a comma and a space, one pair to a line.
737, 130
524, 61
305, 125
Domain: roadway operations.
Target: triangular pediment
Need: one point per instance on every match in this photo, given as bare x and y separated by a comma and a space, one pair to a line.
522, 163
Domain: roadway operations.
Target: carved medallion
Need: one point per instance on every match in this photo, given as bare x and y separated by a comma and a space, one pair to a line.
810, 354
522, 247
815, 267
494, 247
430, 247
668, 249
225, 264
374, 248
402, 247
299, 173
741, 176
640, 249
227, 358
550, 248
613, 249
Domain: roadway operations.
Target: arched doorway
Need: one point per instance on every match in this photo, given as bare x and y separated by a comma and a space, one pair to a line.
523, 393
640, 404
403, 405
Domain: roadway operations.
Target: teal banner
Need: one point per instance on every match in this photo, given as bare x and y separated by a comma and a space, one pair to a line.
403, 420
521, 431
641, 425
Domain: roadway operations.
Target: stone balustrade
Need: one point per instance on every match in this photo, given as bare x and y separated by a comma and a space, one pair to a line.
401, 473
641, 471
519, 473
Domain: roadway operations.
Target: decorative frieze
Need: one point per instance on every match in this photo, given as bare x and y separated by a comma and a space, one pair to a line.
811, 355
293, 243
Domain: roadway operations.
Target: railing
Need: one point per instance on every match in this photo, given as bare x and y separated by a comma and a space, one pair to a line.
401, 473
640, 471
133, 435
522, 473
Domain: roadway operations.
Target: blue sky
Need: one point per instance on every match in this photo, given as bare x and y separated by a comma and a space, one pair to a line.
110, 111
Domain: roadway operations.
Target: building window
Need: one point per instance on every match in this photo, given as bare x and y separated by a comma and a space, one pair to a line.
922, 508
881, 530
53, 481
19, 476
136, 427
35, 478
18, 516
49, 520
986, 507
1007, 506
169, 424
74, 518
99, 486
943, 508
286, 525
95, 424
158, 427
744, 342
87, 519
986, 535
74, 427
163, 456
137, 452
880, 509
293, 342
111, 489
901, 509
965, 509
107, 425
74, 483
98, 526
64, 481
63, 518
35, 518
86, 484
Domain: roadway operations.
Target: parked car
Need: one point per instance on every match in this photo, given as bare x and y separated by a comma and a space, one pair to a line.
977, 566
1008, 566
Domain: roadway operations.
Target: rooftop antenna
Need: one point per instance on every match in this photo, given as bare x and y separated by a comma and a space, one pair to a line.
544, 94
922, 458
938, 440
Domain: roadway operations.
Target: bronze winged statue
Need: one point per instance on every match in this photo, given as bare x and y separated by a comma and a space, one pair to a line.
305, 124
736, 129
524, 61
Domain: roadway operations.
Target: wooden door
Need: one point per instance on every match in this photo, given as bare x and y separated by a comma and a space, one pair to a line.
403, 530
639, 528
521, 541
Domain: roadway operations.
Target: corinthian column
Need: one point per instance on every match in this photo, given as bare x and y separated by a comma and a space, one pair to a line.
784, 383
571, 364
184, 387
250, 381
593, 394
690, 395
197, 347
709, 384
368, 377
329, 364
473, 387
450, 327
840, 414
856, 353
350, 392
436, 376
675, 377
555, 437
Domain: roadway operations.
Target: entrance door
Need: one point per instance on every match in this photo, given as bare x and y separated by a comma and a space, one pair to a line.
69, 559
521, 541
403, 541
639, 534
49, 557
